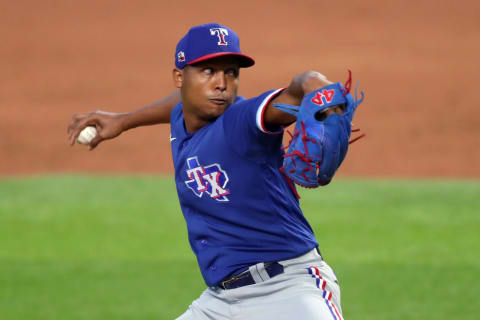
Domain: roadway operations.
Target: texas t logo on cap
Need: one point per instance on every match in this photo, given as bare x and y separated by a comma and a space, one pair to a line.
208, 41
221, 33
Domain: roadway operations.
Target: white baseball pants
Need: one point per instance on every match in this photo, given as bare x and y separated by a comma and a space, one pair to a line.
307, 290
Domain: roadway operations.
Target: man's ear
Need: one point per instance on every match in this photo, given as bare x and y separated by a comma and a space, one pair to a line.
177, 78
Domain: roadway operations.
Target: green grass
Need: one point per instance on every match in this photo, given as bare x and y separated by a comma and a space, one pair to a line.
79, 247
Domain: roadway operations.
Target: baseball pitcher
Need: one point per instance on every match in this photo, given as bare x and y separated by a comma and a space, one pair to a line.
236, 184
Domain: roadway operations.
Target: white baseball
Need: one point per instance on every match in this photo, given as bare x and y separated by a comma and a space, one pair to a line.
87, 135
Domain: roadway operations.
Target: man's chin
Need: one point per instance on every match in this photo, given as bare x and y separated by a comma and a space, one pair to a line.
217, 110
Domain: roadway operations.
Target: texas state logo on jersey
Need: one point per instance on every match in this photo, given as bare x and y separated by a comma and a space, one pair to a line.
209, 179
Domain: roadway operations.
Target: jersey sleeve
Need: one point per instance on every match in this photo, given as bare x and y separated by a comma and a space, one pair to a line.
244, 126
260, 112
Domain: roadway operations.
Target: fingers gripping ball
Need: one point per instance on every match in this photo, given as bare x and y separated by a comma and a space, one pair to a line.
87, 135
319, 144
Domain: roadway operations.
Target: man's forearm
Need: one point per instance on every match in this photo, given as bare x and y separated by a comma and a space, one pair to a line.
155, 113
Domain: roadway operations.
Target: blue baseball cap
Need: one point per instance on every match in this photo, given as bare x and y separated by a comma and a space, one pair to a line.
209, 41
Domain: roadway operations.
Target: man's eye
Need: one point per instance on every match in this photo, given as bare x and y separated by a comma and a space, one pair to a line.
208, 70
232, 72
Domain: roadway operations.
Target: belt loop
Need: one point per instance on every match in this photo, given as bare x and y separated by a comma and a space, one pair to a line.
262, 271
258, 272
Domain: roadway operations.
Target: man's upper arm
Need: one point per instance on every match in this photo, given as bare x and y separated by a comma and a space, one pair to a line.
301, 84
243, 123
275, 117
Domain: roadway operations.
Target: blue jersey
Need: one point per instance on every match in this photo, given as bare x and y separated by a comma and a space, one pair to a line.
238, 207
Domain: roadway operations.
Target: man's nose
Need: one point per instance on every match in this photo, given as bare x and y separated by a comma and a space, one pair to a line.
220, 81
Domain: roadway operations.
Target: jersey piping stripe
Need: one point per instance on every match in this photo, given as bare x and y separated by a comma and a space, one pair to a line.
261, 112
327, 295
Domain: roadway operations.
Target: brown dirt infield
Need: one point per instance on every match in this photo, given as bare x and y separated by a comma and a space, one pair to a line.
418, 63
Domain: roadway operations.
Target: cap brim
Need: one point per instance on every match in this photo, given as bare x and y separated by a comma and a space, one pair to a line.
245, 61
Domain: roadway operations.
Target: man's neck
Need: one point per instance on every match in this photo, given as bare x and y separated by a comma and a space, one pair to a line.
192, 123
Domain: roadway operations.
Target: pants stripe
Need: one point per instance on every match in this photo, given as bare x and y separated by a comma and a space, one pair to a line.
336, 311
331, 311
327, 295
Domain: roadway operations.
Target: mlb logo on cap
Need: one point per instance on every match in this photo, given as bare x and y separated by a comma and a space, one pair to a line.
209, 41
181, 56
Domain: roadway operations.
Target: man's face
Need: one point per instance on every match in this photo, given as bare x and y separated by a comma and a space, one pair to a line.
209, 87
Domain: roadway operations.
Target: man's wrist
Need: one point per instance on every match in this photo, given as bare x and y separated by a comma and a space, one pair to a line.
126, 122
314, 80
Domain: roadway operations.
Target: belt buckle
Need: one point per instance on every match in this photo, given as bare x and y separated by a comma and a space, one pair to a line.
232, 279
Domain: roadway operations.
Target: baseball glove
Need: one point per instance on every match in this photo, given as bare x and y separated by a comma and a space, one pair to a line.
319, 143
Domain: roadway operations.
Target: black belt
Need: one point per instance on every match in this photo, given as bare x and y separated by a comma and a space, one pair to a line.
245, 279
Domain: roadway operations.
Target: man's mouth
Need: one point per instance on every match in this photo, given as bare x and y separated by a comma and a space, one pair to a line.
219, 101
